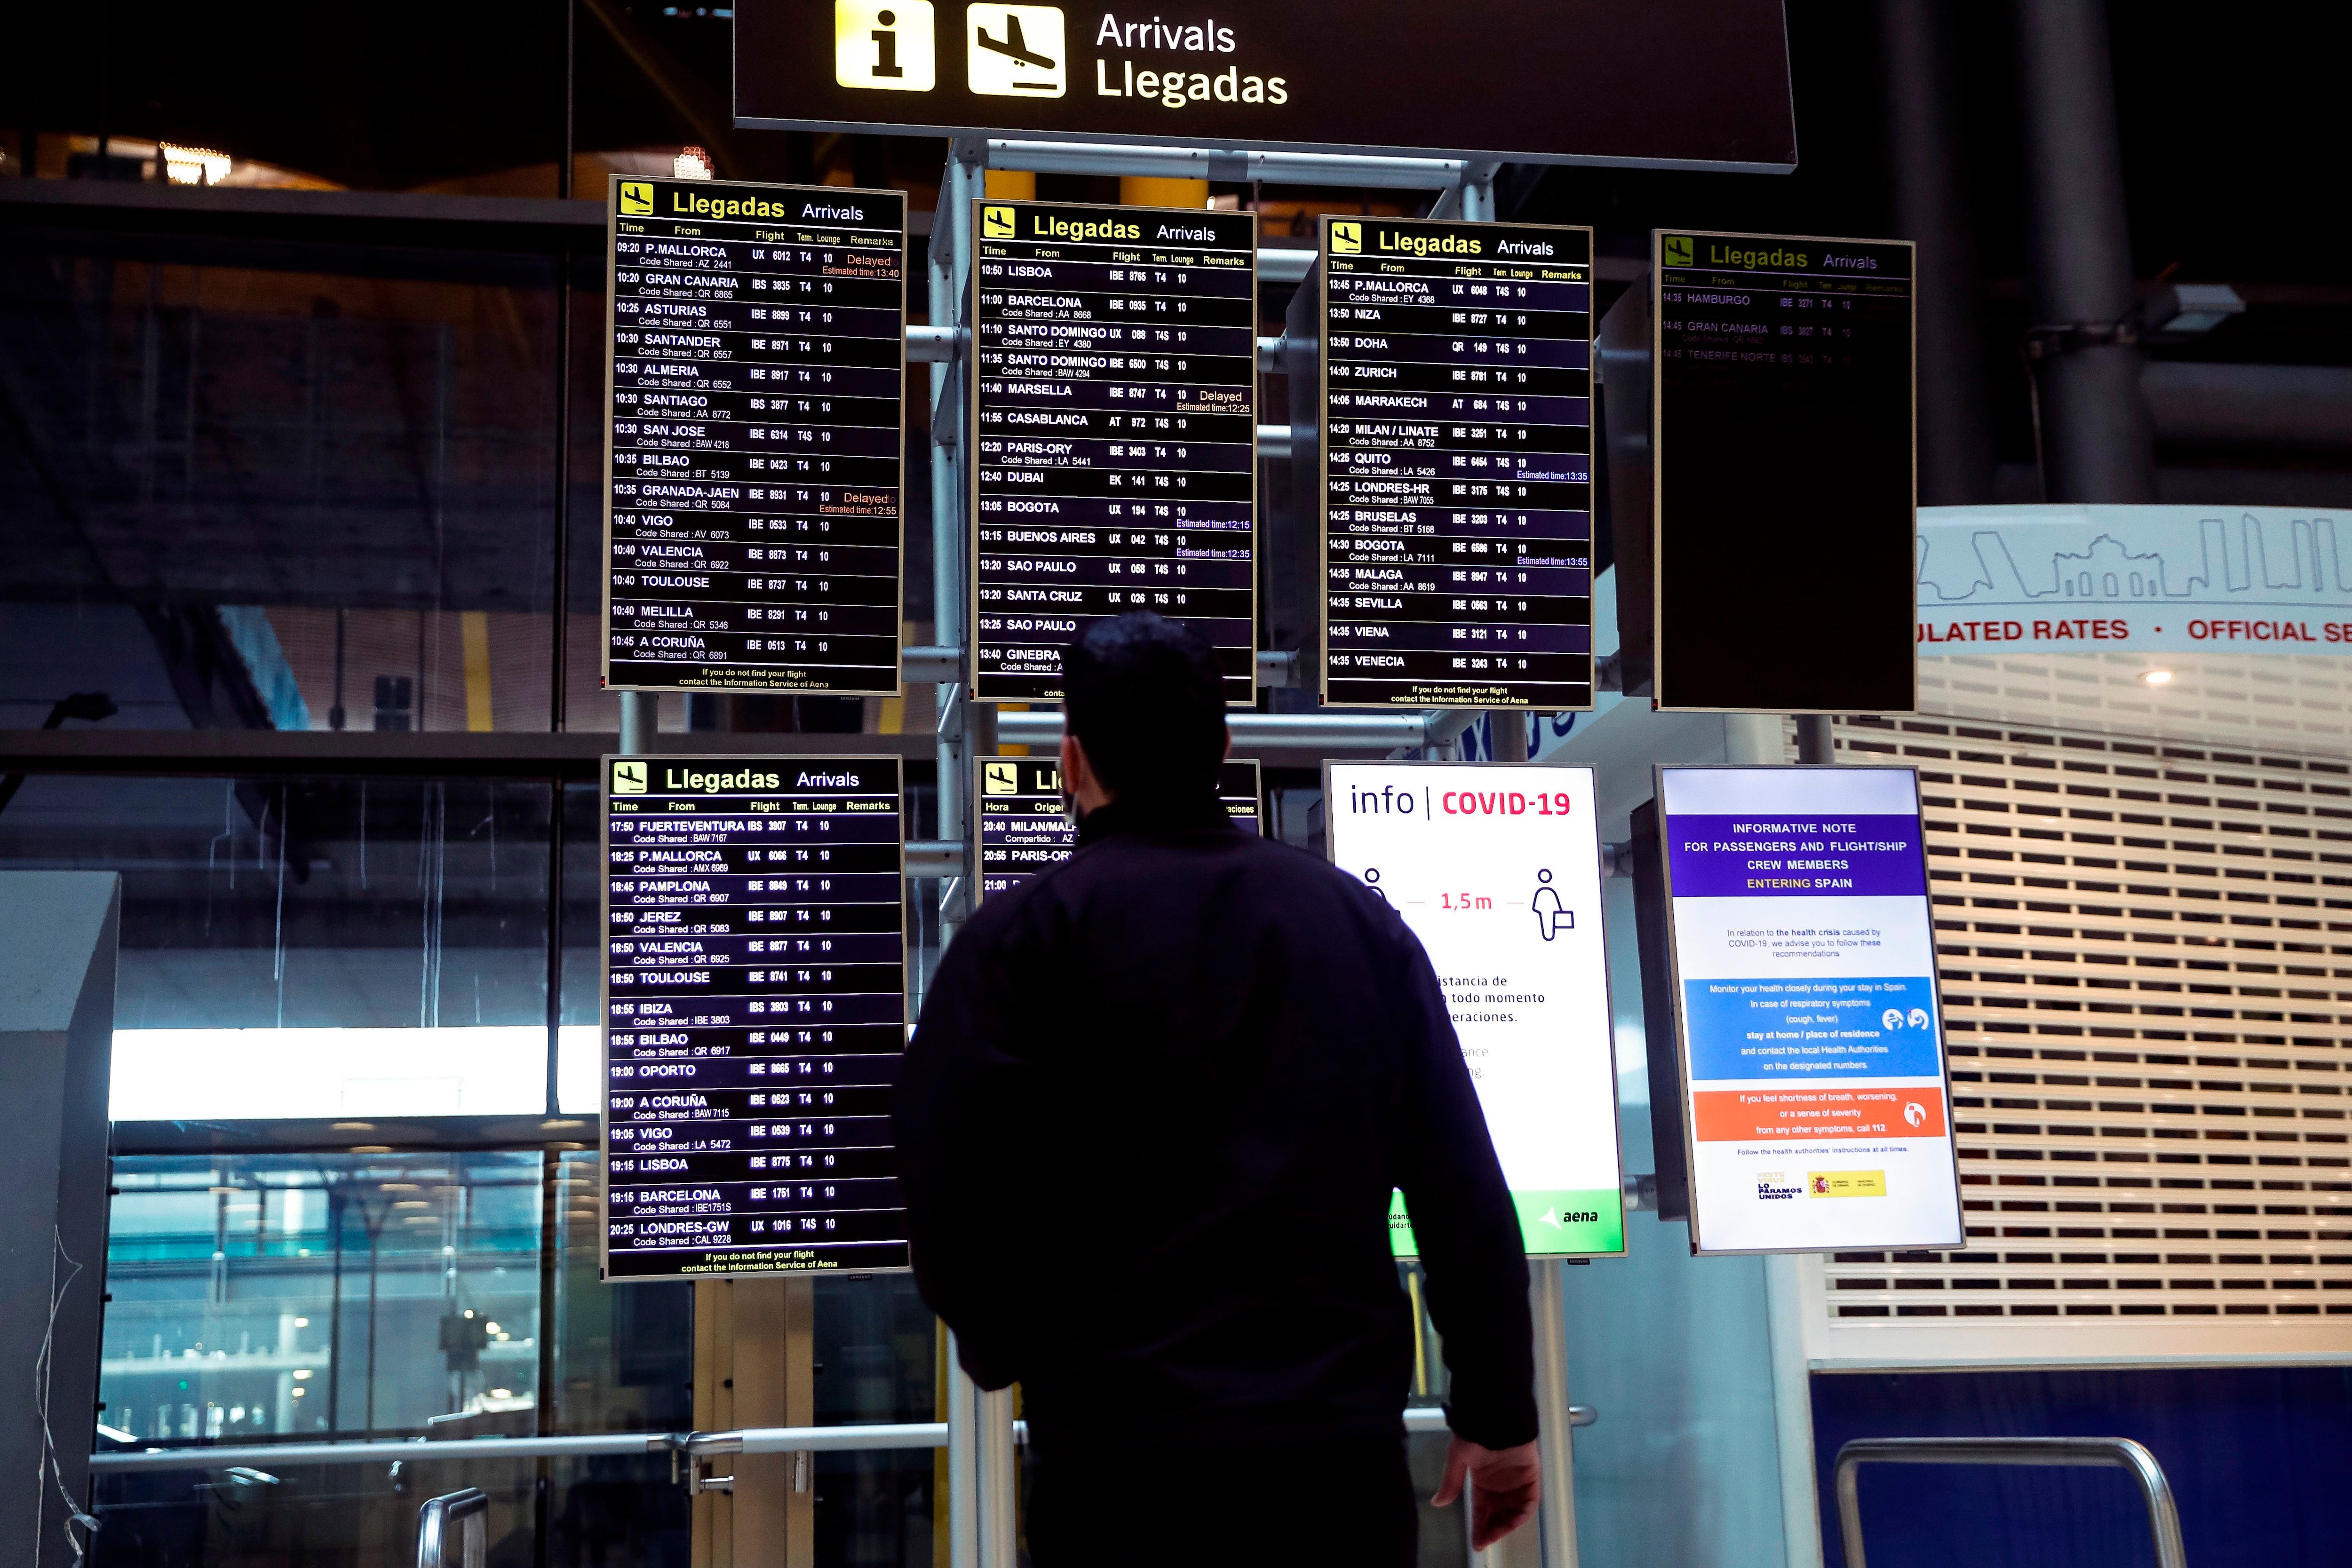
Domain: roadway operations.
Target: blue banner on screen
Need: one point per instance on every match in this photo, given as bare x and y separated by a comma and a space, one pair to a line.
1759, 856
1804, 957
1800, 1028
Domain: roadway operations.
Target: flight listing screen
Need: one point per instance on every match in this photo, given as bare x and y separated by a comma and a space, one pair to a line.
1785, 500
755, 360
1115, 433
755, 1010
1458, 463
1497, 871
1815, 1101
1024, 828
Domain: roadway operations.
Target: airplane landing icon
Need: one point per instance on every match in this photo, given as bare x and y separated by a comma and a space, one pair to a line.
1016, 51
1018, 48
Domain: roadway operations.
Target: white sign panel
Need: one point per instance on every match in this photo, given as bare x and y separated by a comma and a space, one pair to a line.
2089, 580
1497, 871
1815, 1101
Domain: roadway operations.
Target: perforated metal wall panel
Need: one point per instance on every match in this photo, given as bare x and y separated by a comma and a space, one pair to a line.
2145, 959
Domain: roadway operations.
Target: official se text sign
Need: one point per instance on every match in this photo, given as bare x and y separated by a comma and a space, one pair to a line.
1687, 83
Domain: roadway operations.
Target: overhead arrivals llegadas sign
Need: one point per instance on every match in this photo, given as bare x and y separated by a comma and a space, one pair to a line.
1682, 83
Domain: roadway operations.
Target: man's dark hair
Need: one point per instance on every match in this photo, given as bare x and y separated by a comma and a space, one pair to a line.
1146, 699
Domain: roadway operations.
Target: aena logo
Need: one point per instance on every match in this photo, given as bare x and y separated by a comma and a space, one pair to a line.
1347, 239
1680, 251
889, 45
628, 778
996, 223
636, 197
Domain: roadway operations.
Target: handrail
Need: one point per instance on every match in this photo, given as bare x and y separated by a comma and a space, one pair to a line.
852, 1438
263, 1456
451, 1531
2105, 1453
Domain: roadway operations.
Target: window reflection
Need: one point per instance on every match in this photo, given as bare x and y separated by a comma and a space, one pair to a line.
313, 948
269, 1295
245, 497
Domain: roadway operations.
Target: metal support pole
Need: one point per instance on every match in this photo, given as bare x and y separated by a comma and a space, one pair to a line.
999, 1490
963, 1463
1816, 739
1925, 148
1478, 193
2097, 444
1758, 740
950, 269
1556, 1517
640, 721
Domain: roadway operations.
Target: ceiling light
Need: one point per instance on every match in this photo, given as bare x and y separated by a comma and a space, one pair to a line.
2156, 678
195, 165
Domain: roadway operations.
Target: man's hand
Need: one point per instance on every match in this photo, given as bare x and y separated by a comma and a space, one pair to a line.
1505, 1484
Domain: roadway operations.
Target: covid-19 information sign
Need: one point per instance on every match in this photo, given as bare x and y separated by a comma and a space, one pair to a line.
1815, 1101
1497, 871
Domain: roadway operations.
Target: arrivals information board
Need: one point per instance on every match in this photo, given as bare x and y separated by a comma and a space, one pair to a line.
1698, 83
1815, 1098
755, 362
755, 1010
1781, 438
1456, 464
1025, 830
1496, 868
1114, 433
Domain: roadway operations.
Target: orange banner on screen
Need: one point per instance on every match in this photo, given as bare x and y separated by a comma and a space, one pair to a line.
1740, 1115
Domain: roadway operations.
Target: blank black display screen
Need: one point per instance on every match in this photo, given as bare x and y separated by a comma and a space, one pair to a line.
1785, 495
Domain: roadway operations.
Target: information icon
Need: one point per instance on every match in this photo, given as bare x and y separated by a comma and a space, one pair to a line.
887, 44
1015, 51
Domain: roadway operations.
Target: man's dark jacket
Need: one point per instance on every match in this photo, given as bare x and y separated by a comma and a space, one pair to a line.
1148, 1128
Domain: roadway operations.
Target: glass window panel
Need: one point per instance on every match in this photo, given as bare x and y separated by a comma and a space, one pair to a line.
313, 948
436, 94
274, 1295
247, 495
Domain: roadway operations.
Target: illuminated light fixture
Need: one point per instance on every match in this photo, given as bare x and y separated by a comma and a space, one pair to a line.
194, 165
301, 1323
692, 163
501, 1392
299, 1392
491, 1328
2156, 678
302, 1372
